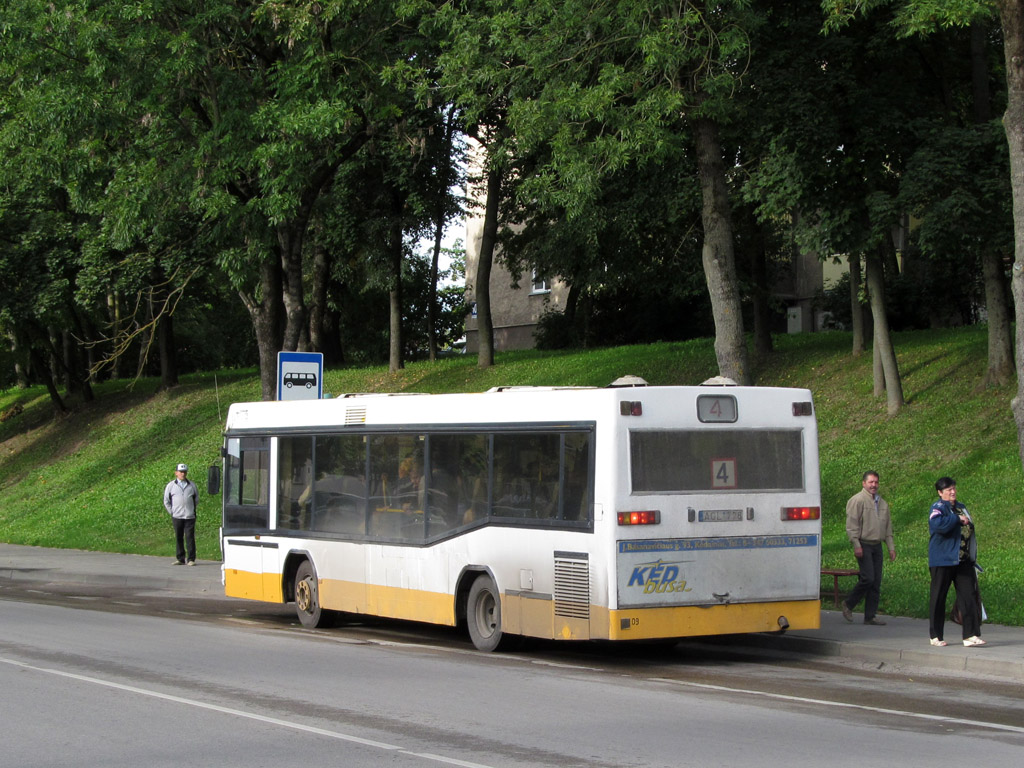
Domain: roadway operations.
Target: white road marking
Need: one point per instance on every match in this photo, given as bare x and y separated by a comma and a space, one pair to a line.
942, 719
249, 715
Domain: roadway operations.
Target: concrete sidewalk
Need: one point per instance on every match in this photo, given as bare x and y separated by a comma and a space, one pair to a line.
73, 566
901, 641
905, 641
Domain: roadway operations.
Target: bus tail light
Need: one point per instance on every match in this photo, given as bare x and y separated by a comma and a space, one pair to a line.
803, 409
631, 408
801, 513
647, 517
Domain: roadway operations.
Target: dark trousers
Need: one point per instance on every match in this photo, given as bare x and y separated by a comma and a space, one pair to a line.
964, 578
869, 585
185, 536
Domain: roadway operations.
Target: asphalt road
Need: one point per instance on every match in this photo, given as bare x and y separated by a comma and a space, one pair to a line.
105, 676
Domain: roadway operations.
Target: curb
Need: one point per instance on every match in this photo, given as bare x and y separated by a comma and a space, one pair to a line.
952, 659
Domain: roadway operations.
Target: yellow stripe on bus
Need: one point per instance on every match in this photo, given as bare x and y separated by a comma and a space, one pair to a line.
691, 621
253, 586
349, 596
536, 617
391, 602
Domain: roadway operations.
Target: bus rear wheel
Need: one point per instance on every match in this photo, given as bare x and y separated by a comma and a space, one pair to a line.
307, 598
483, 615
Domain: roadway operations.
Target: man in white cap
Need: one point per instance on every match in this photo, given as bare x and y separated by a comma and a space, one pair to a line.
180, 497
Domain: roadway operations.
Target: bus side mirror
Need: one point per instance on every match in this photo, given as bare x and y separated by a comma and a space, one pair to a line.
213, 480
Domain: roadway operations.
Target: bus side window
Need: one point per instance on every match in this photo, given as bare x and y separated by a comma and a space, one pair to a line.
397, 487
295, 483
526, 475
576, 489
457, 489
339, 485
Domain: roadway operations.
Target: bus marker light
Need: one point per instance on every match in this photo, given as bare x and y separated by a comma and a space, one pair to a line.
802, 409
647, 517
631, 408
801, 513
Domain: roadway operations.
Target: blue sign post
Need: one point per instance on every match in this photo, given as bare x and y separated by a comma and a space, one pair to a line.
300, 375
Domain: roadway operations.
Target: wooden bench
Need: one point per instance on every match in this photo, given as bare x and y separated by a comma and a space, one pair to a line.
836, 573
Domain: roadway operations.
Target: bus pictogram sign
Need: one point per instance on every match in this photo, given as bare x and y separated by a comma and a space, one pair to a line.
300, 375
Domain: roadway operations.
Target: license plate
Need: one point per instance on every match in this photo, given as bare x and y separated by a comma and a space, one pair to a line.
720, 515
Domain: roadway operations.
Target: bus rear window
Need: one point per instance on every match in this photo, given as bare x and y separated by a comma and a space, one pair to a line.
681, 461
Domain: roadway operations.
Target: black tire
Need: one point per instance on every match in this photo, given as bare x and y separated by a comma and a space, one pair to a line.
483, 616
307, 598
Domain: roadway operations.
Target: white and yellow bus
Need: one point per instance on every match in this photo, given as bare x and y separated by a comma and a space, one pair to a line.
618, 513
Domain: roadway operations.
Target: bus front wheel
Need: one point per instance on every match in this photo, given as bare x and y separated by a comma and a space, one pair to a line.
307, 598
483, 615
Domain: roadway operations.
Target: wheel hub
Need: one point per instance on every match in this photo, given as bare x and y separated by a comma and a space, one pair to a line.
304, 596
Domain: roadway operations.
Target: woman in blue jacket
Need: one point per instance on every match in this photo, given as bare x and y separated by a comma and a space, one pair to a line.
952, 553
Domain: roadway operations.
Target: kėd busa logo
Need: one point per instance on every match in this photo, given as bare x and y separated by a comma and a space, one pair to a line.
657, 577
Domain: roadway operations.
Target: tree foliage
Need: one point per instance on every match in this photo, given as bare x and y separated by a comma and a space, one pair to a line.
174, 170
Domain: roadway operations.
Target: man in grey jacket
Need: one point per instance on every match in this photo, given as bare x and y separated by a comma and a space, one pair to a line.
868, 524
180, 497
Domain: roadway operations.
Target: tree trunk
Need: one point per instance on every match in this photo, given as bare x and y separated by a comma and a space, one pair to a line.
1011, 14
440, 220
718, 255
432, 288
1000, 350
67, 359
168, 350
267, 321
71, 361
761, 291
882, 337
145, 337
82, 372
114, 319
289, 240
333, 349
856, 308
21, 366
395, 356
38, 362
86, 333
890, 258
482, 289
877, 372
570, 314
318, 298
60, 371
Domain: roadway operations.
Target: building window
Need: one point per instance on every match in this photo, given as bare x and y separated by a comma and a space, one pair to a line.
540, 284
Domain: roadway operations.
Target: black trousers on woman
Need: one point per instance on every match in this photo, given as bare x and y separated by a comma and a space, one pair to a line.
964, 578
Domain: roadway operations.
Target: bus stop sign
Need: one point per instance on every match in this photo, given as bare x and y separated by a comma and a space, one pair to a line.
300, 375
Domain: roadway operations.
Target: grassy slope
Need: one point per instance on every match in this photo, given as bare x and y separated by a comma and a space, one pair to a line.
92, 480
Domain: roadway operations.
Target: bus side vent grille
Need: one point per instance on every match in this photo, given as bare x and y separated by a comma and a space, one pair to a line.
355, 416
572, 588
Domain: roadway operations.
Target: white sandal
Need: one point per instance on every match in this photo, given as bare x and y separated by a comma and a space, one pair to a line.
941, 643
971, 642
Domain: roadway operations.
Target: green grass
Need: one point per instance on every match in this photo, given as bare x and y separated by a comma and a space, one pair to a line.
93, 479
